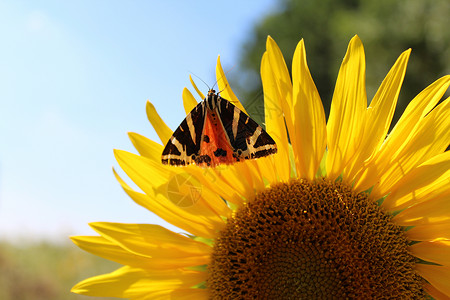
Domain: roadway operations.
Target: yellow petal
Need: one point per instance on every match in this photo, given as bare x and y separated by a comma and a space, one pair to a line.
282, 80
180, 293
146, 147
430, 137
428, 180
437, 252
163, 131
155, 295
144, 172
435, 293
225, 182
150, 240
114, 251
433, 211
382, 107
221, 185
418, 108
207, 192
401, 134
274, 118
188, 294
216, 184
258, 168
129, 282
243, 181
224, 87
196, 88
165, 213
240, 179
267, 169
207, 177
162, 184
283, 86
437, 276
429, 232
102, 247
346, 123
189, 101
263, 164
256, 174
308, 117
379, 115
164, 248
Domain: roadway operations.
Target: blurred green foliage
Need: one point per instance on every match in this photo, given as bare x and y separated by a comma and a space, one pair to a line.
386, 28
46, 271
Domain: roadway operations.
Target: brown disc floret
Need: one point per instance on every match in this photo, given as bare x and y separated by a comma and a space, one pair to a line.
303, 240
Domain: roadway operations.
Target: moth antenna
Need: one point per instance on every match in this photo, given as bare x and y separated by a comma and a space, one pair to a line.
222, 89
224, 73
201, 80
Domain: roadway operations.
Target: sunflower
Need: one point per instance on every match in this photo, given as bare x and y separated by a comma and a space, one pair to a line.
343, 210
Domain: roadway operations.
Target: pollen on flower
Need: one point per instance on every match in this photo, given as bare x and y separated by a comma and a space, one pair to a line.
319, 240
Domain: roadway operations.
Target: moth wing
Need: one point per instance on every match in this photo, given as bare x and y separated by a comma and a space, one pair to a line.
184, 144
248, 139
216, 148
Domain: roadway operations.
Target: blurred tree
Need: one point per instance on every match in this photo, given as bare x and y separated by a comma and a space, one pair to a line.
386, 28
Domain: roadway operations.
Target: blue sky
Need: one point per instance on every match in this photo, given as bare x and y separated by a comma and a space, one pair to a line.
74, 79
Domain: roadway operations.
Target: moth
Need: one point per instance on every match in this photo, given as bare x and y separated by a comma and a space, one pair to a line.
216, 132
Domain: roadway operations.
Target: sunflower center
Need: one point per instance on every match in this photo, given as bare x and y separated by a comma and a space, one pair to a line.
306, 240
